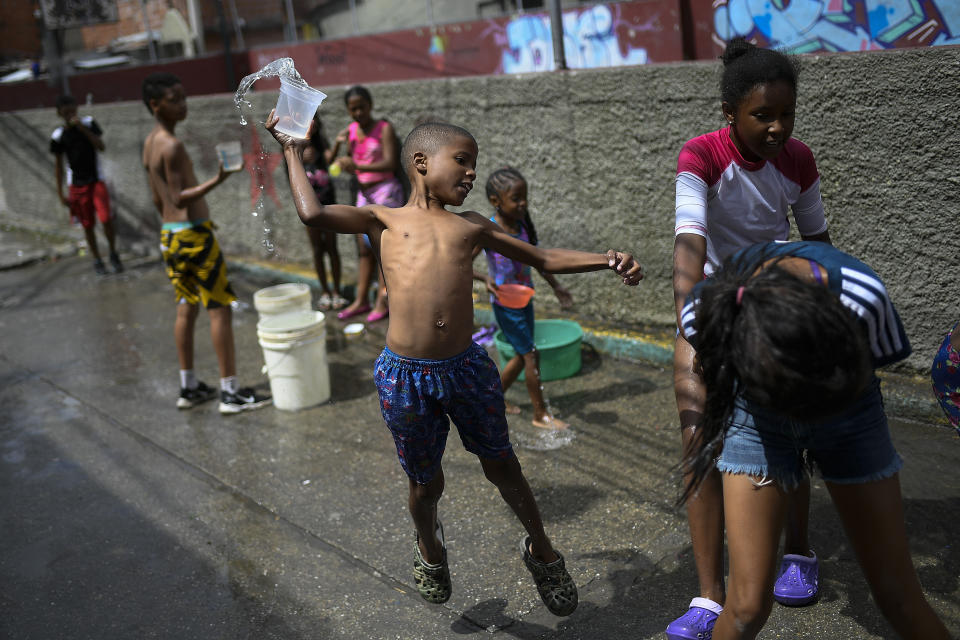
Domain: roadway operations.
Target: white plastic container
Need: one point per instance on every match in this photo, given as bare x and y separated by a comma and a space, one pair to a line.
295, 356
230, 155
282, 298
295, 108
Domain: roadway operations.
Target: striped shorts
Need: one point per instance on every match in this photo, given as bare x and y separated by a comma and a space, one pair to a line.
195, 264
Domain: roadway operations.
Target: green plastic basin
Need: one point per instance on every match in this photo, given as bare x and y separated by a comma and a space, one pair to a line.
558, 342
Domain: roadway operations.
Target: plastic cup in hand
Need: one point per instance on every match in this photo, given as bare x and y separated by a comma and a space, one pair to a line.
295, 108
230, 155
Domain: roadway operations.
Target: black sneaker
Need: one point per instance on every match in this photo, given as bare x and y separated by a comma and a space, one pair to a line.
99, 267
115, 263
189, 398
245, 399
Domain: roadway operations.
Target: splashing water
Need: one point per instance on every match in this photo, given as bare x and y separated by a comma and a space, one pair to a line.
545, 439
268, 218
280, 68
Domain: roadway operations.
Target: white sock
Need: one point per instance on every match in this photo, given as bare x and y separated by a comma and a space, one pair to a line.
229, 384
188, 380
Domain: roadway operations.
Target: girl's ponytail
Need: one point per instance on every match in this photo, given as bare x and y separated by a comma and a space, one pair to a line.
716, 363
735, 48
531, 230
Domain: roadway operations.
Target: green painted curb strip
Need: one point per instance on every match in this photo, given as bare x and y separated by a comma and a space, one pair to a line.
627, 348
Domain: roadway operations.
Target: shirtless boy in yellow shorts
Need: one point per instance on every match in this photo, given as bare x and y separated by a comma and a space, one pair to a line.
195, 265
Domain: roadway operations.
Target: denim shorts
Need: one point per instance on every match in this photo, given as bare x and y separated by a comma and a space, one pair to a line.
852, 447
517, 326
417, 396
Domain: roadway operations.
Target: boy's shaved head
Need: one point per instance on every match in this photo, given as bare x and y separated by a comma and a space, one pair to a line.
428, 138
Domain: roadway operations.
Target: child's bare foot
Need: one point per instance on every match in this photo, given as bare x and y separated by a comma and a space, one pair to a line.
549, 422
511, 409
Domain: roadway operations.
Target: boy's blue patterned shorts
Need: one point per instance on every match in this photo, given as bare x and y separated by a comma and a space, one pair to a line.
416, 396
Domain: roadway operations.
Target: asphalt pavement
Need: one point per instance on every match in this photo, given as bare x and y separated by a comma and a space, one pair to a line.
125, 518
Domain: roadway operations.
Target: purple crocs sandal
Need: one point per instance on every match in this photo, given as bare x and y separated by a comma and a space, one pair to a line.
697, 623
799, 581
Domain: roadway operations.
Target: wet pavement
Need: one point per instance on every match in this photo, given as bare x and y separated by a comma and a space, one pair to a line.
126, 518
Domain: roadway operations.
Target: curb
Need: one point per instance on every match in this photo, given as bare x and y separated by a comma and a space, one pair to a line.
906, 396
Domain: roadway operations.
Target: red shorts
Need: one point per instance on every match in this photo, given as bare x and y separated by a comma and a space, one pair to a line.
87, 200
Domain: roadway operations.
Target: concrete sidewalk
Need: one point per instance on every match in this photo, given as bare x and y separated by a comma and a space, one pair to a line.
125, 518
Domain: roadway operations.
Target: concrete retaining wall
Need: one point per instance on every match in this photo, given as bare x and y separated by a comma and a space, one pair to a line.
599, 150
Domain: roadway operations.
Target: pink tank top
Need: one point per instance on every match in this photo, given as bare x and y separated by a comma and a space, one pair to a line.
367, 149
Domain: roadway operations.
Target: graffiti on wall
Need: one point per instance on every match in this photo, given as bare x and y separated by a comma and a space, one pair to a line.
597, 36
806, 26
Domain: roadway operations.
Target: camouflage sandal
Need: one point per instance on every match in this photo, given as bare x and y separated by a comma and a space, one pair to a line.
556, 587
433, 580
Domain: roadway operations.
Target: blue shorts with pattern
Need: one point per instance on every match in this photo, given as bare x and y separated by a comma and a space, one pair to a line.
417, 396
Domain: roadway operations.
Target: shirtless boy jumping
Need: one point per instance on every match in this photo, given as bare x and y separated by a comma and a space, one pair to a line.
430, 368
195, 265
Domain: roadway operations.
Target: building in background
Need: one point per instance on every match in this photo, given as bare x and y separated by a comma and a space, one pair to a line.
347, 41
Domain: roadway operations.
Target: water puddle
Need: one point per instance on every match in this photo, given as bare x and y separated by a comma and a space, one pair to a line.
544, 439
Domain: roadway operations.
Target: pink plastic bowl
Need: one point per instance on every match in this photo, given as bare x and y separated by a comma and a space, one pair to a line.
514, 296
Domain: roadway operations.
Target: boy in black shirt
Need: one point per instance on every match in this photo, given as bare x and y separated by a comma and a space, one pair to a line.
80, 140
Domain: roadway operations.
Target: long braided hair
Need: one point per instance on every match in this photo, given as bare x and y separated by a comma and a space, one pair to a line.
498, 183
778, 342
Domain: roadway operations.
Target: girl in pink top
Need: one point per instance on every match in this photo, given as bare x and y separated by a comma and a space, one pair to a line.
373, 160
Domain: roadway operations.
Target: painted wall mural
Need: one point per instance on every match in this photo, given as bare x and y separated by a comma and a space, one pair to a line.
807, 26
598, 36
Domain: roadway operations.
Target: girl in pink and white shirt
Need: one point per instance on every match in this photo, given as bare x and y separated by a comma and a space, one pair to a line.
736, 187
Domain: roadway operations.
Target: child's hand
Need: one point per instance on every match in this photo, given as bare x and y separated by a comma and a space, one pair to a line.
309, 154
563, 297
347, 164
222, 173
287, 142
343, 136
492, 285
624, 264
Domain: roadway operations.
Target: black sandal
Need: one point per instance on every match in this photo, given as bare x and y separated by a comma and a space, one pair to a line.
432, 580
554, 584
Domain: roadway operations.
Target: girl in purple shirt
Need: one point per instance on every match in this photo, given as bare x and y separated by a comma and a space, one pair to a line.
507, 192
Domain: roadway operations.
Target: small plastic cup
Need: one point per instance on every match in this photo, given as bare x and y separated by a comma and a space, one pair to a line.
230, 155
295, 108
514, 296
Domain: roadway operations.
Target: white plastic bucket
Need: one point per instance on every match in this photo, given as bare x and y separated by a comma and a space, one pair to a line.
282, 298
295, 356
295, 108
